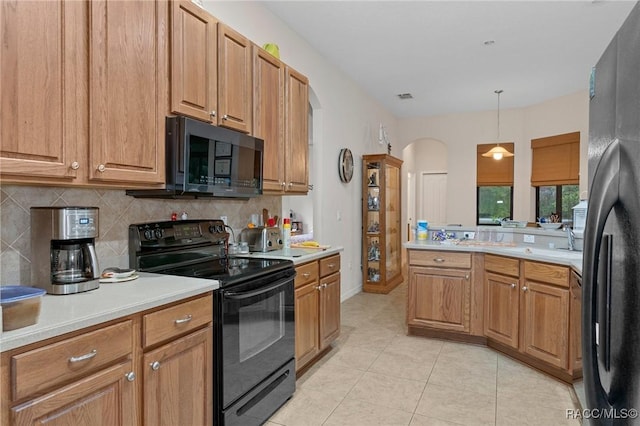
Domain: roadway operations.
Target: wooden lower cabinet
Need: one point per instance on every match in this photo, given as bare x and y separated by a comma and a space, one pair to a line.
501, 308
106, 374
105, 398
439, 298
317, 309
175, 373
545, 319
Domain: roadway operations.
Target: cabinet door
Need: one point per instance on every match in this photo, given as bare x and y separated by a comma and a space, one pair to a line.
179, 375
501, 308
546, 322
439, 298
41, 87
297, 133
575, 337
105, 398
307, 316
128, 85
329, 309
268, 116
234, 79
194, 51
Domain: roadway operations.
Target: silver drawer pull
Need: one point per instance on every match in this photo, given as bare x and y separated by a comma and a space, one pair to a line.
306, 275
130, 376
155, 365
331, 266
183, 320
438, 260
513, 285
84, 357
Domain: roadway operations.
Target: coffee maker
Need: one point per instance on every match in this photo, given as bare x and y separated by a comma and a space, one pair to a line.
63, 249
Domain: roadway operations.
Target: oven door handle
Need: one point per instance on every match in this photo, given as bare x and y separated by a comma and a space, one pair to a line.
248, 294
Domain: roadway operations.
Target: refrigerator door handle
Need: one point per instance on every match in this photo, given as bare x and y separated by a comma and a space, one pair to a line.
603, 197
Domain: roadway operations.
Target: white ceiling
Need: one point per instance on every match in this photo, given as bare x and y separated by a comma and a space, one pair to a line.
435, 49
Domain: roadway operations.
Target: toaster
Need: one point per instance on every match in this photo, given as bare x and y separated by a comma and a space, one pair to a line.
262, 238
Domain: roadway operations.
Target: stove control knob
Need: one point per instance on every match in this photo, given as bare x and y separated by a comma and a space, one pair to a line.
148, 234
158, 233
213, 229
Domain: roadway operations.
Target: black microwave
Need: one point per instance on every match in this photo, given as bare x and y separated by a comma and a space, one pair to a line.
208, 161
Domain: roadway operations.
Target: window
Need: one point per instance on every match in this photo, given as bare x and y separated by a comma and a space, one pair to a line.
558, 199
555, 169
494, 181
494, 204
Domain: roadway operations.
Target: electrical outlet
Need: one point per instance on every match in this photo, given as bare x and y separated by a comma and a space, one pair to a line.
469, 235
529, 238
224, 219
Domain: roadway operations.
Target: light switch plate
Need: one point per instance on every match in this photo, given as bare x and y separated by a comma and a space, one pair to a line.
469, 235
529, 238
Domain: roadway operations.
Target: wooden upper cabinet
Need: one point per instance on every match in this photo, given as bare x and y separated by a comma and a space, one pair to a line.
268, 115
128, 85
194, 80
234, 79
297, 132
42, 88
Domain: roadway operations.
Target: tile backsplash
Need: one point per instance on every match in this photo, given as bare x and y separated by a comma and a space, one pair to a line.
117, 211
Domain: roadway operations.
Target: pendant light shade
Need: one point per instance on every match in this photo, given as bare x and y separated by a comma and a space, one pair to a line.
498, 152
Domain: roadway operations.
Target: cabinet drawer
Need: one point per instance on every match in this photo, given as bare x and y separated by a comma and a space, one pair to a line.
543, 272
502, 265
306, 274
329, 265
69, 359
167, 323
447, 259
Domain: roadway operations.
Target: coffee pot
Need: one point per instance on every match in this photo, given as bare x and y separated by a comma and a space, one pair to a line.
63, 249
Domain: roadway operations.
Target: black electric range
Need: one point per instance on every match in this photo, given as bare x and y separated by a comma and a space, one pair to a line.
254, 313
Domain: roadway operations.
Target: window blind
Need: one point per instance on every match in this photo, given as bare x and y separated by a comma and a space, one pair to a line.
490, 172
556, 160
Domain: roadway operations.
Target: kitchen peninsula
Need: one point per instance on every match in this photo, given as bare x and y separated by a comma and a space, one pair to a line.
519, 299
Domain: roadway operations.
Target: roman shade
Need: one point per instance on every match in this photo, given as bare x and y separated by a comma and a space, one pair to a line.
490, 172
556, 160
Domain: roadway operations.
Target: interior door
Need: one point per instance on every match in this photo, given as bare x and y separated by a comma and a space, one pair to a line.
433, 197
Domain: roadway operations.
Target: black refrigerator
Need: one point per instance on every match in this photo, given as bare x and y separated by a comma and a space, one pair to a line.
611, 265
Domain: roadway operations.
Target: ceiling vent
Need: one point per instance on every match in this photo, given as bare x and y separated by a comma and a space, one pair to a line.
404, 96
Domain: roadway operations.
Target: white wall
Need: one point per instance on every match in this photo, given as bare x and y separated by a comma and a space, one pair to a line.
462, 132
350, 118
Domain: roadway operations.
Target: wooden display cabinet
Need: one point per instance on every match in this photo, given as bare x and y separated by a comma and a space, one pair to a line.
381, 245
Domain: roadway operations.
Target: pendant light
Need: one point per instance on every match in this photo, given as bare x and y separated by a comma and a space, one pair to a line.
498, 152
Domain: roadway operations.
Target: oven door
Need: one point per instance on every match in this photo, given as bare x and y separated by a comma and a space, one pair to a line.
258, 332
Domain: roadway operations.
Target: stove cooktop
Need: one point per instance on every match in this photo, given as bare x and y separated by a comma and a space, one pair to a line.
231, 270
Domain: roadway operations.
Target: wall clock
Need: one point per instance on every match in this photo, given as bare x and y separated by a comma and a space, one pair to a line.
345, 165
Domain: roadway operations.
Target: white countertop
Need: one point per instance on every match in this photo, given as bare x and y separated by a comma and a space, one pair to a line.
559, 256
298, 255
64, 314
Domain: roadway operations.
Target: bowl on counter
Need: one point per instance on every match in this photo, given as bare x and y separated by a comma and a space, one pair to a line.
20, 306
549, 225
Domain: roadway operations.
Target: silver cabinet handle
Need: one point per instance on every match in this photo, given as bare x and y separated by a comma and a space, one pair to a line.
155, 365
183, 320
84, 357
130, 376
283, 184
466, 277
513, 285
75, 165
525, 288
438, 260
306, 275
101, 168
225, 117
212, 113
324, 285
319, 288
331, 266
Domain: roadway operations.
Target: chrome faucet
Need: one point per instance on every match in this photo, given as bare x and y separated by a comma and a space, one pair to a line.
571, 238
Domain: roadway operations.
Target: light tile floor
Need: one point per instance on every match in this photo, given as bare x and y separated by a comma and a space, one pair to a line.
377, 375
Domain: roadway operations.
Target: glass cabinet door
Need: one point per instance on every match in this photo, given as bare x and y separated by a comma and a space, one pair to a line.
381, 255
